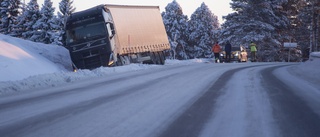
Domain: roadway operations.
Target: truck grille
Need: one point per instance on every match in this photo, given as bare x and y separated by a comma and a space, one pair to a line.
93, 62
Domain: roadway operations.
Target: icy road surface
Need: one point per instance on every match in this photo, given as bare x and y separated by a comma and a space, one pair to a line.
223, 100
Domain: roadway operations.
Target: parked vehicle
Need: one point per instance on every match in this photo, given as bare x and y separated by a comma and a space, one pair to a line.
235, 53
113, 35
238, 54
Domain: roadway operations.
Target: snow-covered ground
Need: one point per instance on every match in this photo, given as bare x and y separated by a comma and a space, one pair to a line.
26, 65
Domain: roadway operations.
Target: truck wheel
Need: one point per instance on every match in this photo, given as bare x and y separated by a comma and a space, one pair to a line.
152, 58
162, 58
119, 62
126, 60
123, 61
157, 58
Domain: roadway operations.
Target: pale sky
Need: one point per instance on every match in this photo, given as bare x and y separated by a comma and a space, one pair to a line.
218, 7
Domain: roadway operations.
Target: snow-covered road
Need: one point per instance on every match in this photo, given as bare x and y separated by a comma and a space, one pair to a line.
203, 99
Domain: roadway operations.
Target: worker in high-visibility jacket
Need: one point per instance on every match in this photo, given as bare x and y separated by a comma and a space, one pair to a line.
253, 49
216, 51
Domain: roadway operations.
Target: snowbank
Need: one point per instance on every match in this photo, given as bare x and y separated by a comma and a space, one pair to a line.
63, 77
309, 69
314, 55
26, 65
20, 59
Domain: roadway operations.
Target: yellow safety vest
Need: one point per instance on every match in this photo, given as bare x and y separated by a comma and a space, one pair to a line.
253, 47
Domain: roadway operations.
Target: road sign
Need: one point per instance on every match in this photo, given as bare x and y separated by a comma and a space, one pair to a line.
290, 45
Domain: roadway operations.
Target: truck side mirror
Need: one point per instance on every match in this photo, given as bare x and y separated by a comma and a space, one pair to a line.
111, 30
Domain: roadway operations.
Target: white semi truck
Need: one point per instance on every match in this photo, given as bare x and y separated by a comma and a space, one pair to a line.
112, 35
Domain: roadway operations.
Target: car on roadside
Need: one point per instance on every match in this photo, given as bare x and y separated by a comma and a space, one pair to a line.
238, 54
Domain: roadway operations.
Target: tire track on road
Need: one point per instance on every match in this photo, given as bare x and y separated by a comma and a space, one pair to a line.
19, 127
294, 116
192, 121
24, 101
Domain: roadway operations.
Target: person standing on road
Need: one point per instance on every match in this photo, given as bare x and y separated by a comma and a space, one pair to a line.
216, 50
228, 51
253, 49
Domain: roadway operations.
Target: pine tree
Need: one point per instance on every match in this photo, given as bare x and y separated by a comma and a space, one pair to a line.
298, 30
28, 18
203, 28
176, 25
260, 21
66, 9
275, 16
14, 11
310, 14
45, 28
15, 6
5, 16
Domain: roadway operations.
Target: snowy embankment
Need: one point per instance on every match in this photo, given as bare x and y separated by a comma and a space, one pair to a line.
309, 69
25, 65
20, 59
304, 78
62, 77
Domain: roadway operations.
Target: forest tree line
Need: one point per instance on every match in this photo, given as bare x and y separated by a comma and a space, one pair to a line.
34, 22
268, 23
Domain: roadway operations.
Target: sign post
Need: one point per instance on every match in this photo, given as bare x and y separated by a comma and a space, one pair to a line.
289, 45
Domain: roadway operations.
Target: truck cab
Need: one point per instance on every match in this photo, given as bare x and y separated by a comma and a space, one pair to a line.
90, 38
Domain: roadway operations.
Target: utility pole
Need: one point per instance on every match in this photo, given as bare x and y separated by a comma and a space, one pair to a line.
310, 47
24, 4
315, 25
316, 36
313, 28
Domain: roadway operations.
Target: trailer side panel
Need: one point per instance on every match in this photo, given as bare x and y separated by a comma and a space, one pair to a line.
138, 29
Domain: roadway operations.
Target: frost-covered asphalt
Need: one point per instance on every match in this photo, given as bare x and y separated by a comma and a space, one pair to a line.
234, 100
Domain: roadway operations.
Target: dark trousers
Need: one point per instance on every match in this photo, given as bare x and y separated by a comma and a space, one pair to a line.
228, 56
216, 56
253, 56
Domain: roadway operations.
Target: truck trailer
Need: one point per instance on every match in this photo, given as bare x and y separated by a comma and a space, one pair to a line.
113, 35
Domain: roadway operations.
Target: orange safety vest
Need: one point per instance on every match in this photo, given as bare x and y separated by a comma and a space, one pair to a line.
216, 48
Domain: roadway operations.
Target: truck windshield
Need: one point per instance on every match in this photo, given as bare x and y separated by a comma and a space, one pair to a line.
90, 31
